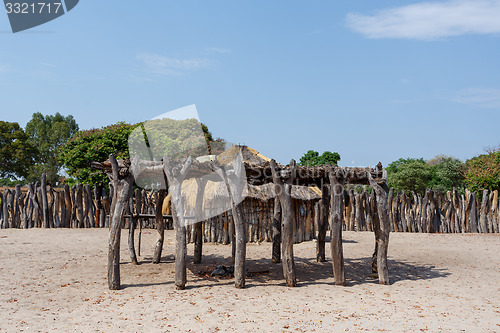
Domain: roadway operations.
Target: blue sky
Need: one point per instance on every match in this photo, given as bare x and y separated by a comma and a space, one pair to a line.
372, 80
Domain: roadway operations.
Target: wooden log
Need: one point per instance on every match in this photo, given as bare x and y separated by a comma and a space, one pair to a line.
384, 224
276, 252
160, 226
69, 206
231, 179
90, 210
45, 203
138, 210
80, 217
368, 210
74, 219
11, 207
175, 179
352, 218
122, 192
322, 224
473, 225
337, 179
495, 212
283, 188
131, 230
483, 219
198, 232
5, 208
309, 221
391, 213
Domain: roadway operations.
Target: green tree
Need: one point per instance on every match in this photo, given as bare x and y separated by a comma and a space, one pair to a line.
312, 158
483, 171
92, 145
409, 174
47, 134
447, 173
16, 152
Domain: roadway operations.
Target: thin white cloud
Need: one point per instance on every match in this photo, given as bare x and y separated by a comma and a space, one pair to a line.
483, 98
430, 20
171, 66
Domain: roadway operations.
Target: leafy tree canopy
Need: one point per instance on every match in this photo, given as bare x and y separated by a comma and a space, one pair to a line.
47, 134
483, 171
312, 158
95, 145
442, 173
16, 152
409, 175
150, 140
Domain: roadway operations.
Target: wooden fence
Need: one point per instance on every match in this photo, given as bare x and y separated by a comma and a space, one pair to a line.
83, 206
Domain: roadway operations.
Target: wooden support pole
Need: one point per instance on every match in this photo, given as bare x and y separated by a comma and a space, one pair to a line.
45, 203
231, 179
483, 219
122, 192
160, 226
276, 255
322, 223
283, 188
175, 179
337, 179
381, 192
138, 210
5, 208
131, 231
198, 232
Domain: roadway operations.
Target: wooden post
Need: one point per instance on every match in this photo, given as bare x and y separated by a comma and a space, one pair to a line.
79, 206
5, 208
198, 232
276, 255
381, 191
231, 179
175, 179
138, 209
483, 220
322, 223
131, 230
45, 204
122, 191
337, 179
473, 213
160, 226
283, 190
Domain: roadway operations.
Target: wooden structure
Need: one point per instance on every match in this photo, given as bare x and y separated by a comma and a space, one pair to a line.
329, 178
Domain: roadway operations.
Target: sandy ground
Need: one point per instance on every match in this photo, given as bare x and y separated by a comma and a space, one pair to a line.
55, 280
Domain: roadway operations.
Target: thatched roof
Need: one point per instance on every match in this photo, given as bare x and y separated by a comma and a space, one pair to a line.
216, 196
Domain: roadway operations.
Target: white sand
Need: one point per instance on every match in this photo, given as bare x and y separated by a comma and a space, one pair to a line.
55, 280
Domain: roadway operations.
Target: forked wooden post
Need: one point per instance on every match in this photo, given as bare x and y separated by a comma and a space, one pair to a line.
198, 231
160, 226
175, 179
123, 190
322, 223
239, 237
276, 256
382, 236
337, 179
283, 193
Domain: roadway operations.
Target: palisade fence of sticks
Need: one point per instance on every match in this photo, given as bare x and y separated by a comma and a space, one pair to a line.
83, 206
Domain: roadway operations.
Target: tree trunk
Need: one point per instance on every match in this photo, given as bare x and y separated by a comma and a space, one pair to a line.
381, 191
283, 190
45, 203
123, 190
276, 255
337, 178
198, 232
322, 223
160, 226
